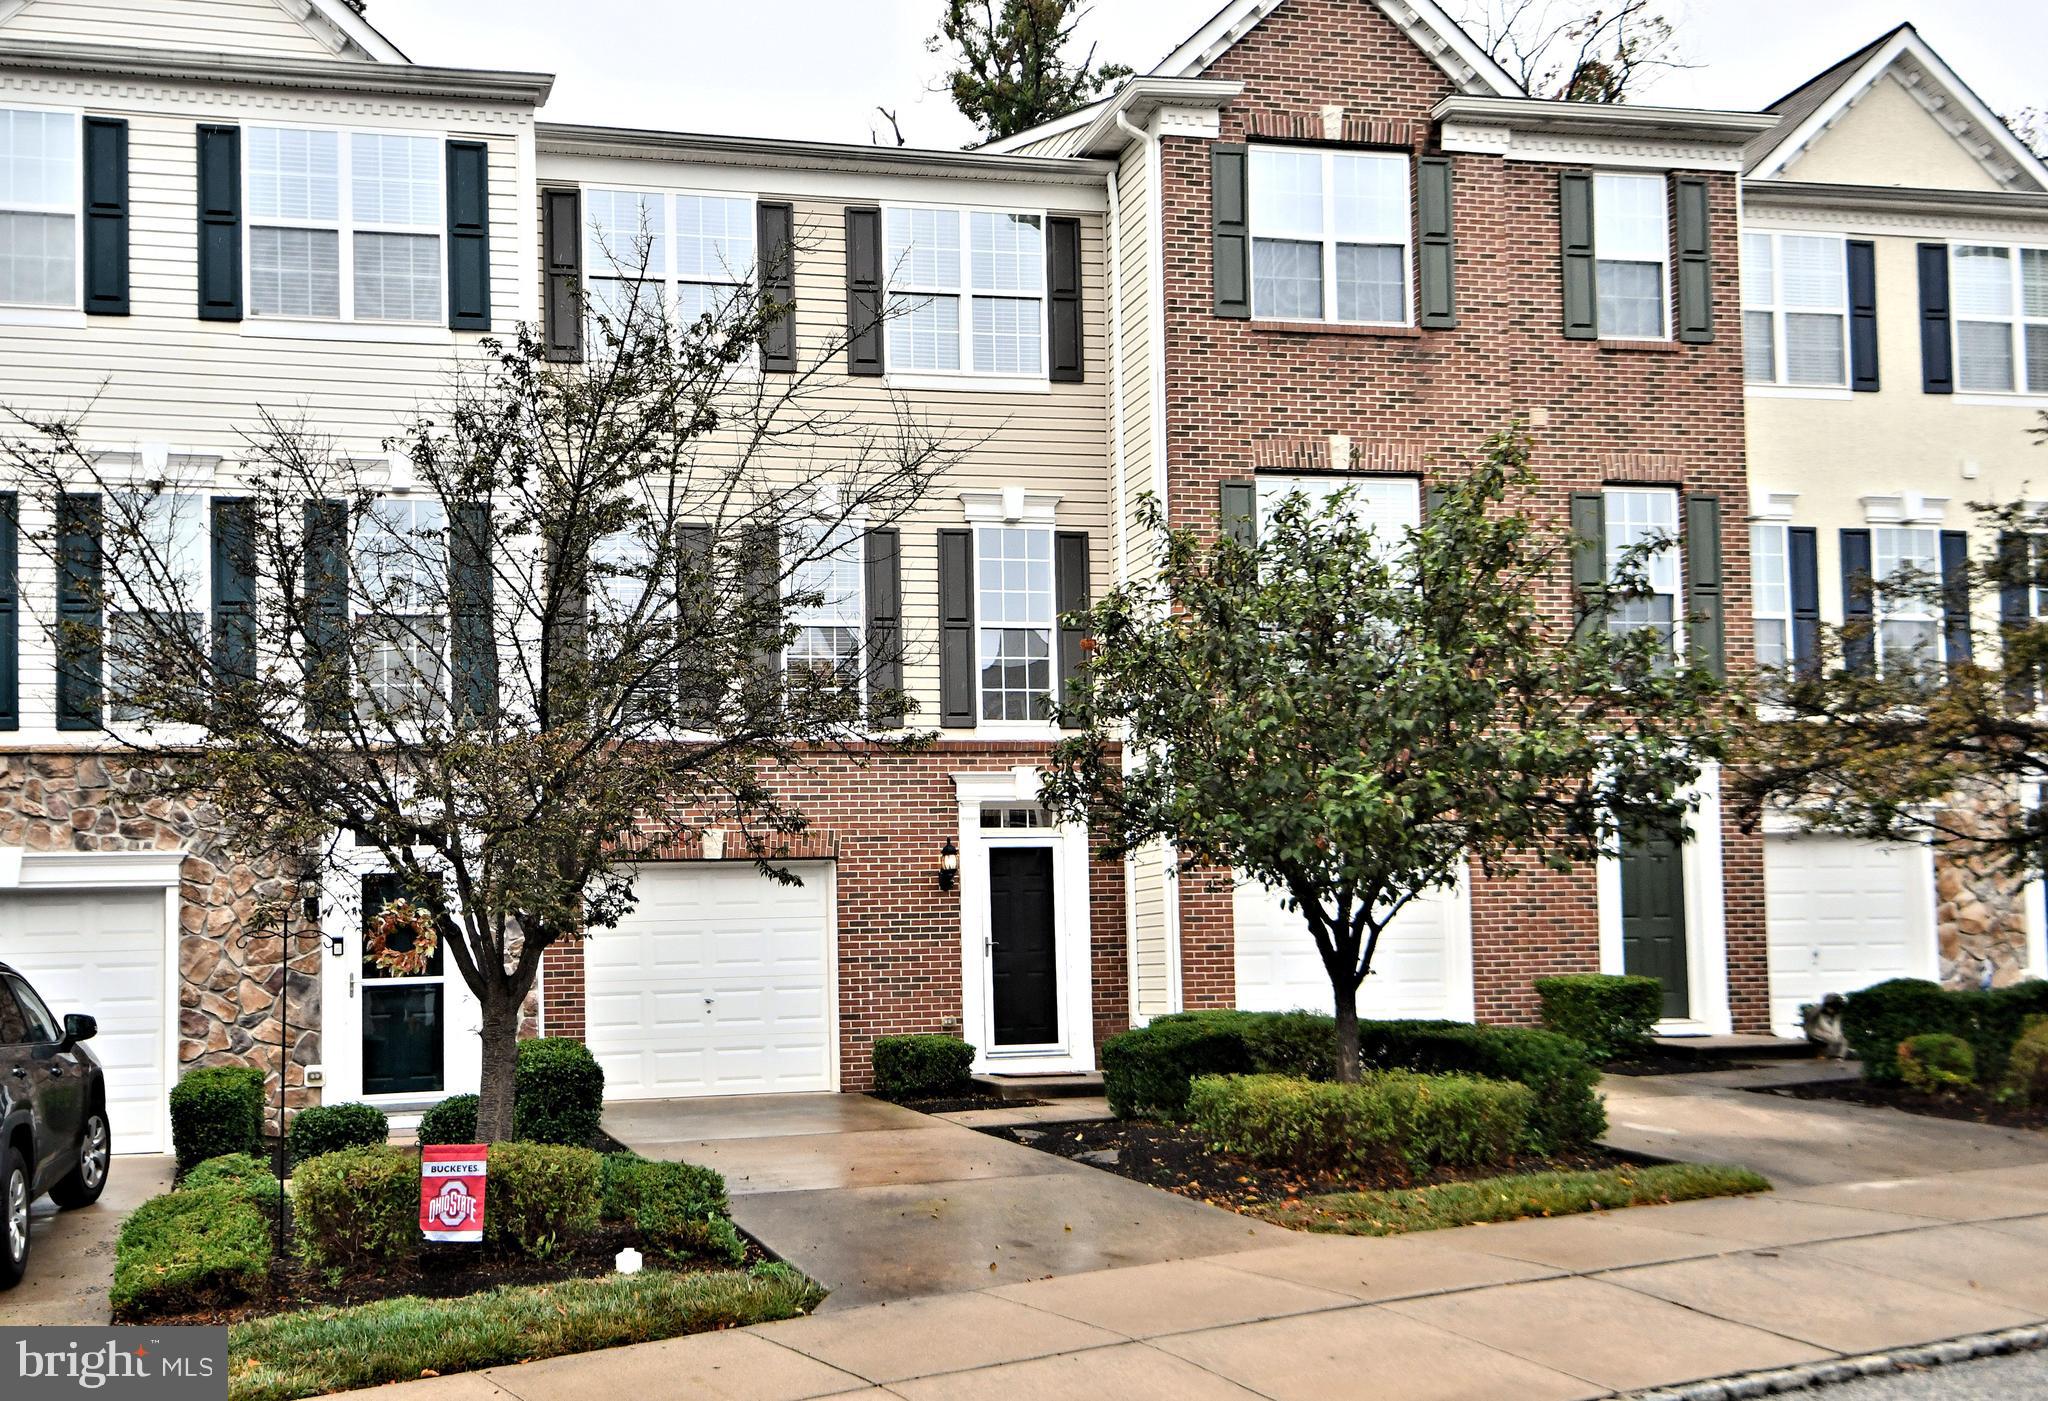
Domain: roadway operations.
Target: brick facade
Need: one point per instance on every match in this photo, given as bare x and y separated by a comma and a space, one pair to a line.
1245, 394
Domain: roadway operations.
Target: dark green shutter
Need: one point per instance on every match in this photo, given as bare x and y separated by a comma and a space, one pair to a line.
561, 237
1859, 646
1802, 559
1862, 316
957, 706
761, 577
326, 613
1955, 595
220, 223
1589, 556
79, 617
882, 566
700, 685
1238, 509
775, 245
106, 216
863, 291
10, 613
1707, 630
234, 589
1230, 238
1435, 249
1063, 299
1695, 260
1575, 225
1433, 500
472, 643
469, 236
2016, 583
1070, 597
1937, 354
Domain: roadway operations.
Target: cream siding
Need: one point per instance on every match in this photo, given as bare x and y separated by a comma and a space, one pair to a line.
206, 26
1888, 138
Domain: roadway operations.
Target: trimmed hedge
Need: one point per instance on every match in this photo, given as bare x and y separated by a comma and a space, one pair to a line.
679, 1209
248, 1177
216, 1110
1614, 1015
2026, 1069
538, 1197
329, 1128
558, 1092
197, 1248
914, 1067
359, 1207
1878, 1018
1935, 1061
1391, 1120
453, 1120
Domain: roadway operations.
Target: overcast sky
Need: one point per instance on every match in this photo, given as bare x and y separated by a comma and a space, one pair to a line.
818, 68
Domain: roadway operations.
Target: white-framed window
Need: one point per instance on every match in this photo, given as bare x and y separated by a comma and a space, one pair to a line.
1632, 252
828, 623
1387, 507
1015, 618
1770, 582
401, 567
1642, 530
966, 291
1795, 309
1905, 562
690, 253
40, 165
164, 589
344, 225
1330, 235
2000, 300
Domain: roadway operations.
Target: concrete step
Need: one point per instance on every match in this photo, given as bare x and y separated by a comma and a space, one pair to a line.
1075, 1085
1741, 1047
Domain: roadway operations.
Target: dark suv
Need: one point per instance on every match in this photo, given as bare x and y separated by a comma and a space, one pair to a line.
53, 1116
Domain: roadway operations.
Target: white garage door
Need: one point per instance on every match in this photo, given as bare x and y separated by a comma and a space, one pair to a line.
103, 953
1418, 970
1843, 914
718, 983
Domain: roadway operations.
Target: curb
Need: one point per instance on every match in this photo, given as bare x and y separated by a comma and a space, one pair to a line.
1847, 1369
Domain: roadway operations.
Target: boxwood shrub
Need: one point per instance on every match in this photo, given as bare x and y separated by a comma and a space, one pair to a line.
558, 1092
248, 1177
912, 1067
215, 1110
453, 1120
1391, 1120
1614, 1015
679, 1209
2026, 1069
196, 1248
539, 1197
1934, 1062
358, 1208
1878, 1018
328, 1128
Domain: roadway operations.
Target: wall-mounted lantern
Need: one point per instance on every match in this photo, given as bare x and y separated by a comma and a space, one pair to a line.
949, 865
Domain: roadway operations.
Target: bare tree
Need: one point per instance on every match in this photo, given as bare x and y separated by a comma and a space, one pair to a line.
1572, 51
2030, 125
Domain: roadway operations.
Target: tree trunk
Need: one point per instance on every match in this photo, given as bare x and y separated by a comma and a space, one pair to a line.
1347, 1034
500, 1037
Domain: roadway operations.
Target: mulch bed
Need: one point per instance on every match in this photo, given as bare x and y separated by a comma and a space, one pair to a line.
954, 1104
1974, 1106
1177, 1159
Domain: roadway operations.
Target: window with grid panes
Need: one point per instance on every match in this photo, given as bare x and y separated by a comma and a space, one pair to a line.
646, 251
160, 594
1642, 530
1330, 235
1015, 618
827, 579
1905, 563
1795, 309
1999, 297
344, 225
966, 291
401, 554
39, 197
1632, 252
1770, 564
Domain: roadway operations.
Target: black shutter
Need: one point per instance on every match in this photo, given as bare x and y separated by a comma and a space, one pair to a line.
1589, 555
1238, 505
1859, 646
469, 236
472, 642
10, 613
220, 223
2016, 575
1707, 631
1575, 226
700, 684
1230, 237
1937, 354
1435, 248
79, 618
1862, 316
234, 589
1802, 565
326, 613
1433, 499
761, 578
863, 291
106, 216
561, 236
1063, 298
956, 629
1955, 595
1695, 260
882, 561
775, 245
1070, 596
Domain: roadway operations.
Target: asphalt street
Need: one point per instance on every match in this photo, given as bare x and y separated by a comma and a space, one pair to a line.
2020, 1376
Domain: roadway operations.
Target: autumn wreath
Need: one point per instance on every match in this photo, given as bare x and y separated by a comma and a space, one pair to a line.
392, 925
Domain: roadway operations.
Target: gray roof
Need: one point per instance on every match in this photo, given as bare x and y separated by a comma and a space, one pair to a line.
1806, 99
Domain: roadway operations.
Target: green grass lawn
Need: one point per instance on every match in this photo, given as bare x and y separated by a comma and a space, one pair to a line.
321, 1350
1394, 1213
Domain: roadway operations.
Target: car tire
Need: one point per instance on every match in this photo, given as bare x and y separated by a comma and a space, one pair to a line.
14, 1199
84, 1183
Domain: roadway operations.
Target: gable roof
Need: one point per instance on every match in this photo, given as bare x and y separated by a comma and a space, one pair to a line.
1815, 105
1423, 21
342, 16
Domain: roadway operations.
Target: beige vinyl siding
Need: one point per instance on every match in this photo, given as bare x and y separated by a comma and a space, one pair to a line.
207, 26
1058, 143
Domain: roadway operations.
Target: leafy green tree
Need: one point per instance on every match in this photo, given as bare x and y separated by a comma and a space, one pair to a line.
1011, 69
1351, 720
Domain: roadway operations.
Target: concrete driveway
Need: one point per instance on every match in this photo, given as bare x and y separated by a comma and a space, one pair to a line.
880, 1203
71, 1253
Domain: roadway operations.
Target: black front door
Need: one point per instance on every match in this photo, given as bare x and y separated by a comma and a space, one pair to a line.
1653, 915
1022, 962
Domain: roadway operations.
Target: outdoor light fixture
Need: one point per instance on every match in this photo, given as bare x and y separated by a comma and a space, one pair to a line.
949, 864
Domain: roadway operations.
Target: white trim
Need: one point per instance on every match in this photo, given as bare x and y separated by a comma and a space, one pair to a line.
1752, 389
1706, 930
1768, 505
2028, 402
2034, 901
1620, 150
1010, 505
949, 382
346, 23
1422, 21
1905, 508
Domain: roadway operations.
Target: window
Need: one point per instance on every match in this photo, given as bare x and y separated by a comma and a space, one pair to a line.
1642, 532
1329, 236
1013, 817
2001, 316
1795, 300
966, 291
39, 1027
1905, 566
1388, 507
1770, 565
39, 165
158, 595
401, 561
1632, 248
344, 225
827, 575
1016, 618
648, 252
